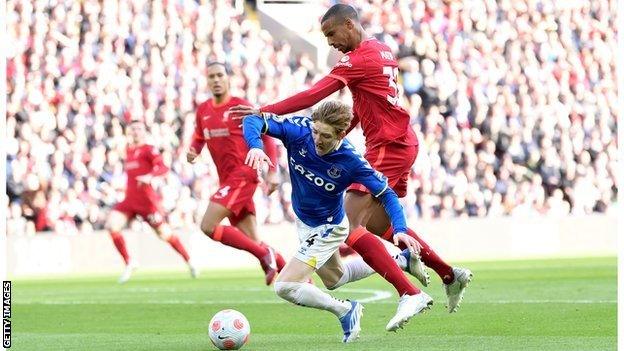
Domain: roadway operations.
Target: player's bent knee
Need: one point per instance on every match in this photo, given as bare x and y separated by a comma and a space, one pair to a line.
330, 278
288, 291
331, 284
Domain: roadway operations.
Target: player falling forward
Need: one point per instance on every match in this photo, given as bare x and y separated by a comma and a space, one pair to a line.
322, 165
143, 163
237, 182
370, 71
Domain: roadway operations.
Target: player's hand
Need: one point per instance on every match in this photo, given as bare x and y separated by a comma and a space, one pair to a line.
191, 156
255, 158
412, 244
145, 179
272, 182
239, 111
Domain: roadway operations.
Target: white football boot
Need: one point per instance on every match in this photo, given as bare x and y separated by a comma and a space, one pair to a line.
409, 306
412, 264
127, 273
455, 290
193, 269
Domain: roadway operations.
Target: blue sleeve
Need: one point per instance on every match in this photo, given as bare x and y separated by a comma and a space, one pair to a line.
253, 127
377, 183
285, 129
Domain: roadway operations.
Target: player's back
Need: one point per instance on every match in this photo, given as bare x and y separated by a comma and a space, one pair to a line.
370, 71
224, 137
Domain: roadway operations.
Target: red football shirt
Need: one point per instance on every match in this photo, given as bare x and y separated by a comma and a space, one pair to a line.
141, 160
370, 71
224, 138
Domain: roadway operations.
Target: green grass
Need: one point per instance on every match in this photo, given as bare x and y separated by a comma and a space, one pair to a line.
516, 305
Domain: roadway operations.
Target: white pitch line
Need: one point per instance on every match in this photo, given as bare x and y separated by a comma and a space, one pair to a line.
375, 295
373, 299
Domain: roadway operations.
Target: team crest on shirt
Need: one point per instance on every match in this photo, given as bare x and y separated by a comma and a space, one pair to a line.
344, 61
303, 152
334, 171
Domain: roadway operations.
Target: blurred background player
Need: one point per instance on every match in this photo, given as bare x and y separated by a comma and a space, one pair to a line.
143, 163
322, 165
370, 71
238, 182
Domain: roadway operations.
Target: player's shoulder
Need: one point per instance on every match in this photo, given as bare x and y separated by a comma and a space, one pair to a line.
378, 49
349, 153
206, 104
300, 121
376, 44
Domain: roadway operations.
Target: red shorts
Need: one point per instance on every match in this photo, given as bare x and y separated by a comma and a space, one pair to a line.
151, 211
395, 162
236, 194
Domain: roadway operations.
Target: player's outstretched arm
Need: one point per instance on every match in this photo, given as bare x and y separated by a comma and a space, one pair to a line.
307, 98
253, 127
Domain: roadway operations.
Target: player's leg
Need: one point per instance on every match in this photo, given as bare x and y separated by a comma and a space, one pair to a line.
291, 285
372, 251
338, 272
395, 163
234, 237
455, 279
164, 232
314, 251
115, 223
379, 224
411, 300
248, 225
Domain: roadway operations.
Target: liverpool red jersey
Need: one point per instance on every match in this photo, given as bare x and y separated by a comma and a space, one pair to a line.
370, 72
224, 138
141, 160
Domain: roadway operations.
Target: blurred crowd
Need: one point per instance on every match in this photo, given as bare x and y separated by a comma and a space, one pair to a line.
514, 102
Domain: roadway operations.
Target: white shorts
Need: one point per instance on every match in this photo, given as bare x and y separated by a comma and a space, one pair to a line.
318, 244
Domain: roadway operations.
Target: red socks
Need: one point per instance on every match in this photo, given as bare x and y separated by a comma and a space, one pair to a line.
432, 260
232, 236
377, 257
175, 242
120, 244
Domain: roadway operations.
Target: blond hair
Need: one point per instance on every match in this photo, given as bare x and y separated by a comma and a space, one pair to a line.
335, 114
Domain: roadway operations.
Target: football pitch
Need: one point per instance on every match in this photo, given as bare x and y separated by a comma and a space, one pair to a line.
568, 304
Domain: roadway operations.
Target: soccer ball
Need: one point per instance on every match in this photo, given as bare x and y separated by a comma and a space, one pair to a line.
229, 330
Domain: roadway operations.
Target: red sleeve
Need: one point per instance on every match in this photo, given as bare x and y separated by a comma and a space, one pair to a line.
320, 90
271, 150
158, 166
198, 141
354, 122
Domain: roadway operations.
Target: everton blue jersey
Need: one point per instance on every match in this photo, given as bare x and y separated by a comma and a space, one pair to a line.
319, 182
